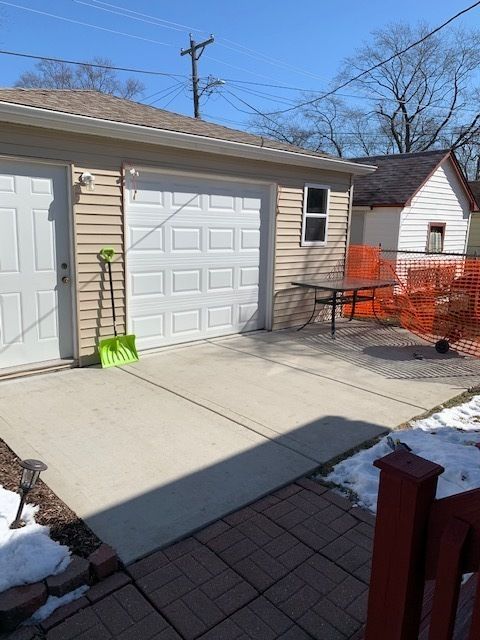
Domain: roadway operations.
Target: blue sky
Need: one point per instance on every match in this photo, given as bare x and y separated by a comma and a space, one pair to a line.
299, 43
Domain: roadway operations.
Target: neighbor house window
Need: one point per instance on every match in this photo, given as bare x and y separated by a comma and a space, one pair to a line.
315, 215
436, 237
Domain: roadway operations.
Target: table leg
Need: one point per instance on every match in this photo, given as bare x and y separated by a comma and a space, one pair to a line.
313, 313
334, 312
354, 302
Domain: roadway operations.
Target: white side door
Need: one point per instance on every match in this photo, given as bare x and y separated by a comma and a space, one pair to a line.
35, 269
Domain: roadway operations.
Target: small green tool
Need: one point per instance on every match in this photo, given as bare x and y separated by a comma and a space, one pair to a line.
119, 350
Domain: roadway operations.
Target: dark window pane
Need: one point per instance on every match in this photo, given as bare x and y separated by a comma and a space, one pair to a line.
316, 200
315, 229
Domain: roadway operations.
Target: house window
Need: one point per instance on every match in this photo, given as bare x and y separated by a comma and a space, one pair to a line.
315, 215
436, 237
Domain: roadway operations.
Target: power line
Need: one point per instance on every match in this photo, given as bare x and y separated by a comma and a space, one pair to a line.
342, 95
164, 23
250, 106
262, 94
122, 12
163, 93
222, 95
174, 98
92, 64
83, 24
178, 75
379, 64
221, 119
255, 111
239, 48
232, 80
160, 22
275, 98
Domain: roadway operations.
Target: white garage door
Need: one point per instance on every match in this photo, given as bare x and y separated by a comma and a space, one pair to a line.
196, 257
35, 293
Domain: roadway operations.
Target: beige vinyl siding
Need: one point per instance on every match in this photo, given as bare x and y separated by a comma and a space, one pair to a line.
98, 218
100, 224
474, 234
292, 305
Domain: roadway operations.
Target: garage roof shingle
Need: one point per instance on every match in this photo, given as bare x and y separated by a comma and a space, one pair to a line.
93, 104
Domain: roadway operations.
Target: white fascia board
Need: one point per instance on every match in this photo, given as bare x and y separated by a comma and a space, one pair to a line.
46, 118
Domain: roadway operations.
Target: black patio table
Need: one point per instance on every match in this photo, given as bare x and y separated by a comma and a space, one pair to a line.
342, 291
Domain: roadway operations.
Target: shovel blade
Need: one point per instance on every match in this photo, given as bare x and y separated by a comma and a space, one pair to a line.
117, 351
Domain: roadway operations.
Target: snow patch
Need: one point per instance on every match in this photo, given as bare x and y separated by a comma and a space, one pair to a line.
447, 437
54, 603
28, 554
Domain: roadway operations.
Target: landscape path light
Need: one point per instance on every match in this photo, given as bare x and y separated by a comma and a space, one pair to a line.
31, 470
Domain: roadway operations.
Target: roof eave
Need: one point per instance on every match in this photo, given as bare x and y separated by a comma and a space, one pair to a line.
374, 205
49, 119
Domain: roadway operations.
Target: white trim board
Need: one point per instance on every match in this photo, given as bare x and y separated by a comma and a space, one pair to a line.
46, 118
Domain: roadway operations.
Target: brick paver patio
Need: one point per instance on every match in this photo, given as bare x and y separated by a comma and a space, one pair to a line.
292, 566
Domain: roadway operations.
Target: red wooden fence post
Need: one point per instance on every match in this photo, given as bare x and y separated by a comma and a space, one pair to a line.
407, 490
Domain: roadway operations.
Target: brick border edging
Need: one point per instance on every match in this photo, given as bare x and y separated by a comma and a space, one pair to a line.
20, 603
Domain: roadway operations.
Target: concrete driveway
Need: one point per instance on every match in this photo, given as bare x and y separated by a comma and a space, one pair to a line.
150, 452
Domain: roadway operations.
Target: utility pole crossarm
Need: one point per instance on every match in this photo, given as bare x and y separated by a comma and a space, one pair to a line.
195, 51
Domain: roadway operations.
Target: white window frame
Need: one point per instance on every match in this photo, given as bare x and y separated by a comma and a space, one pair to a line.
305, 215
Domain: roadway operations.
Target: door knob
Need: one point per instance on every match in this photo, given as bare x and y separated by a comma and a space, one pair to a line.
66, 280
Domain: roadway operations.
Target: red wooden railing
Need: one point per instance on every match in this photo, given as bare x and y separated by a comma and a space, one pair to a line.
418, 538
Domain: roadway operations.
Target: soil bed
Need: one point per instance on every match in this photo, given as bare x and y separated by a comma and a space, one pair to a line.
65, 527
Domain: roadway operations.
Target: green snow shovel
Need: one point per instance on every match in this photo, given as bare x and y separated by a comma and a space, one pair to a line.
119, 350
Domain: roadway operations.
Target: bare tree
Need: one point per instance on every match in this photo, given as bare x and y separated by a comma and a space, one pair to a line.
424, 96
318, 127
468, 156
59, 75
423, 99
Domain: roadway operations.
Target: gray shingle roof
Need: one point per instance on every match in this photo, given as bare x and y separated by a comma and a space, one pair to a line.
94, 104
397, 179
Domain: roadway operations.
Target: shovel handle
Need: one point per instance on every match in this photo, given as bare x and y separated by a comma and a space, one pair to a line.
107, 255
113, 299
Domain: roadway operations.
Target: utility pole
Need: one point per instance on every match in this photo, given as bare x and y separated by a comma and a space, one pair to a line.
192, 52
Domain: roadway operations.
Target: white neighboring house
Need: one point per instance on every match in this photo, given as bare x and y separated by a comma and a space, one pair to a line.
413, 202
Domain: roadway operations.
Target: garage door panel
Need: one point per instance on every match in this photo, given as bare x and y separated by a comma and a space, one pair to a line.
248, 313
147, 284
185, 239
204, 279
250, 239
249, 277
186, 200
220, 317
146, 238
221, 239
186, 281
220, 278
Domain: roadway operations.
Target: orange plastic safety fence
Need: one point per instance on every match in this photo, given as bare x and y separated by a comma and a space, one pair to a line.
436, 297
